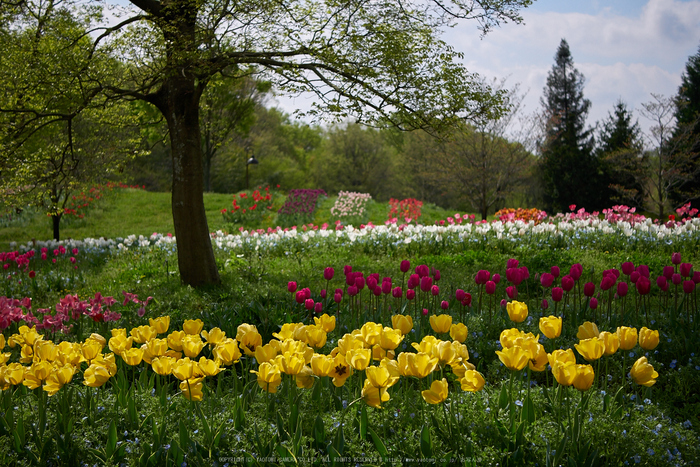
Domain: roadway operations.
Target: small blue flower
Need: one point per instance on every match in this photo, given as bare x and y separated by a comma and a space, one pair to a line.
673, 364
519, 403
650, 451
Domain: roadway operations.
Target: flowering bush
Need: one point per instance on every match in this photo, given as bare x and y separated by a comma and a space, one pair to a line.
407, 209
248, 207
520, 214
350, 207
299, 207
80, 204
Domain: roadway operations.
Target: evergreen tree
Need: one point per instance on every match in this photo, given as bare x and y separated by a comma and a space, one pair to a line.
620, 151
568, 169
687, 132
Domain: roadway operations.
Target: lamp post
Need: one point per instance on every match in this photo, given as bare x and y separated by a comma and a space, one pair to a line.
251, 160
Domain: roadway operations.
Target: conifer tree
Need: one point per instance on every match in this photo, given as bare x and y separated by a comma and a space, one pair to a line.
568, 169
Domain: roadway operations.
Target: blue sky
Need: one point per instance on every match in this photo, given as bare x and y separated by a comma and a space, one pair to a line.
626, 49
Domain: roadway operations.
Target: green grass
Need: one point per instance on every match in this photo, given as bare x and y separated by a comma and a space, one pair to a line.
129, 211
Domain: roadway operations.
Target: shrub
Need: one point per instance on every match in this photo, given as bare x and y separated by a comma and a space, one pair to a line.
408, 209
248, 208
299, 207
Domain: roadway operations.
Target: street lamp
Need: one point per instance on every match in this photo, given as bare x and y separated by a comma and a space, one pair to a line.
253, 161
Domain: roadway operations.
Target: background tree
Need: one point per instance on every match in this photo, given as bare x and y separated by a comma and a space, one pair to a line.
56, 136
487, 161
227, 113
669, 165
688, 129
568, 169
371, 60
621, 153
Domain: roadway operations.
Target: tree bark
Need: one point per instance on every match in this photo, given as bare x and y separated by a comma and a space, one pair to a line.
178, 100
56, 220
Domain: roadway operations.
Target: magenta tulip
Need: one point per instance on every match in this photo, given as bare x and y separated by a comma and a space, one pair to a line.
589, 289
567, 283
328, 273
627, 268
490, 287
557, 294
676, 258
405, 266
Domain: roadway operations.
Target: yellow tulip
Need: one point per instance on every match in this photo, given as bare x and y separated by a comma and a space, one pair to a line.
517, 311
35, 375
390, 338
529, 344
378, 376
564, 372
305, 378
99, 338
371, 333
514, 358
59, 377
441, 323
612, 343
403, 323
133, 356
473, 381
561, 356
321, 365
627, 337
209, 367
266, 353
426, 344
161, 324
290, 363
245, 328
119, 332
175, 340
422, 365
192, 389
269, 377
192, 345
643, 373
13, 374
214, 336
437, 392
460, 368
120, 343
374, 396
340, 370
157, 347
404, 363
550, 326
163, 365
47, 350
508, 337
445, 352
315, 336
143, 333
2, 341
326, 322
287, 331
591, 349
70, 353
359, 359
539, 361
648, 339
95, 376
227, 351
192, 326
30, 335
459, 332
583, 380
587, 330
108, 361
392, 367
185, 369
249, 341
461, 351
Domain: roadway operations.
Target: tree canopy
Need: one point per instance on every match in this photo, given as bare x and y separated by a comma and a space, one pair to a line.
369, 59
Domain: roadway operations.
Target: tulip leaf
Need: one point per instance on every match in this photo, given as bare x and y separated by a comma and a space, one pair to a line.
281, 432
19, 434
316, 392
426, 443
364, 423
333, 455
111, 439
238, 415
319, 432
294, 416
503, 398
528, 412
378, 443
339, 441
184, 435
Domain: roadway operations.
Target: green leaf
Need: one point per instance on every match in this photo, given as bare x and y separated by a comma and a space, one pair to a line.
316, 391
184, 435
111, 439
426, 443
339, 441
280, 428
381, 448
364, 423
528, 412
503, 398
319, 432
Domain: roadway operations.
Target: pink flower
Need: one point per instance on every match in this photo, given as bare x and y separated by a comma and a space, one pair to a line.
318, 308
685, 269
546, 279
435, 290
545, 304
397, 292
589, 289
557, 294
444, 305
593, 303
555, 271
426, 283
676, 279
676, 258
410, 294
328, 273
425, 312
467, 300
309, 304
490, 287
459, 295
688, 286
622, 289
482, 277
662, 283
643, 285
512, 292
405, 266
627, 268
291, 286
337, 297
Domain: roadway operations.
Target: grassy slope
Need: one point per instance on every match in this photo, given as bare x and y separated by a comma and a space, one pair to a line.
129, 211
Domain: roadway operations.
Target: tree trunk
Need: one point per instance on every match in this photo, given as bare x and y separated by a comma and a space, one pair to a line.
56, 220
178, 100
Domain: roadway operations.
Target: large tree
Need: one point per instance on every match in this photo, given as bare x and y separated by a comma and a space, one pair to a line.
687, 131
621, 152
568, 168
370, 59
